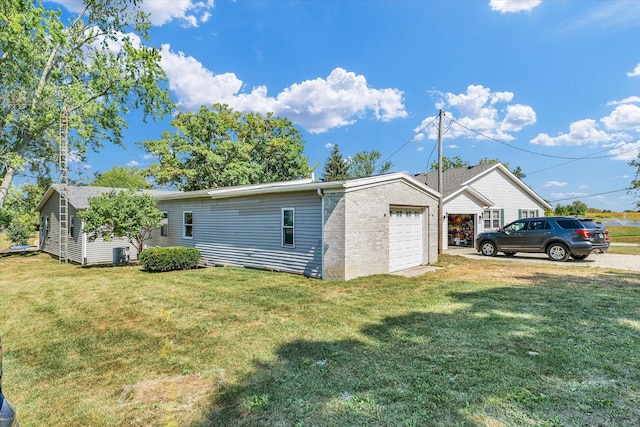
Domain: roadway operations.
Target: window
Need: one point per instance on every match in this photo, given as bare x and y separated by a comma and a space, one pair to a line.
528, 213
287, 227
71, 226
491, 219
164, 228
187, 223
539, 225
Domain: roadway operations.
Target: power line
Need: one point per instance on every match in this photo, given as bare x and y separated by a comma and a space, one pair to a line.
590, 195
535, 152
416, 133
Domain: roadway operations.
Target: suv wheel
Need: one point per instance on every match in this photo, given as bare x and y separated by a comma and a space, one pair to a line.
488, 248
558, 252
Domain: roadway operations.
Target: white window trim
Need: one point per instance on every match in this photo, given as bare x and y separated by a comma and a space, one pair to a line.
184, 225
292, 227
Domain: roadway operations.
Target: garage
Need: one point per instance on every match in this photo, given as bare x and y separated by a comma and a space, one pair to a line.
405, 238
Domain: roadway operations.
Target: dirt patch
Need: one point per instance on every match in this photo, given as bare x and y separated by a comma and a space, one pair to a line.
178, 393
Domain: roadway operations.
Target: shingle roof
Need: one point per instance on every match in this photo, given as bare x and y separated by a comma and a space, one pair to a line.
453, 178
78, 197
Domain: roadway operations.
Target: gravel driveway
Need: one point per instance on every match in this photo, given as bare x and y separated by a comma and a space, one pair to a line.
606, 260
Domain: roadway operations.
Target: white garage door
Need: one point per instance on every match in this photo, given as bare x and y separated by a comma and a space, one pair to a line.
405, 238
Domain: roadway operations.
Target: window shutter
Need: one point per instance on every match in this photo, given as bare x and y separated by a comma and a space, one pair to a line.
501, 217
519, 213
537, 212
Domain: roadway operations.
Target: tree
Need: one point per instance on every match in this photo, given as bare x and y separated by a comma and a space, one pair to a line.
122, 177
364, 164
220, 147
577, 208
96, 66
18, 214
518, 172
126, 214
450, 163
635, 184
336, 167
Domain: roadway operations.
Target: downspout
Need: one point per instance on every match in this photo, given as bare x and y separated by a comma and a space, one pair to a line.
83, 245
321, 195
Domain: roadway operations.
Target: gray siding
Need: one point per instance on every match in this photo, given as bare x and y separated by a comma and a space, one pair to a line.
247, 231
98, 252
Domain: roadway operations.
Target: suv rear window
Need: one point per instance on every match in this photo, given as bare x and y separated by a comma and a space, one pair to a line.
589, 223
570, 224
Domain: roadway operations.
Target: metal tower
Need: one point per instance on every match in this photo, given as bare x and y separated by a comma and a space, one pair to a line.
63, 193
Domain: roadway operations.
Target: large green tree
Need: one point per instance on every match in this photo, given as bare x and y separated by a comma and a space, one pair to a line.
517, 171
96, 66
126, 213
220, 147
363, 164
122, 177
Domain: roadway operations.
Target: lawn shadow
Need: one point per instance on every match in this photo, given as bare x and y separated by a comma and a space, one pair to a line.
559, 352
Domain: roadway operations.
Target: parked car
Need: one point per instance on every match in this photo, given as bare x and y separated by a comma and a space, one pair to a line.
7, 413
558, 237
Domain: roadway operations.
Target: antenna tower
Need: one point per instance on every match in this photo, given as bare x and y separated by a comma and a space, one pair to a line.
63, 193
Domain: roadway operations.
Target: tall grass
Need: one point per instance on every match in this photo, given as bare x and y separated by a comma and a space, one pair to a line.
475, 343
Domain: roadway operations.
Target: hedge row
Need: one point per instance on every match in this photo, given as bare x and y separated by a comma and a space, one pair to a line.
168, 259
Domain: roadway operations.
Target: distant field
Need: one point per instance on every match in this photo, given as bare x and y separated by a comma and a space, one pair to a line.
624, 234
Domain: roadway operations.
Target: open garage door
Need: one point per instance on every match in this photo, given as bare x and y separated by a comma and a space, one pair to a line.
405, 238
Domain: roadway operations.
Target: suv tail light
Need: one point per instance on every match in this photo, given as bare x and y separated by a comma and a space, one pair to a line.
584, 233
606, 235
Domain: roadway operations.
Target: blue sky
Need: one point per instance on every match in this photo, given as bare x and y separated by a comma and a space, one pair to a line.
550, 86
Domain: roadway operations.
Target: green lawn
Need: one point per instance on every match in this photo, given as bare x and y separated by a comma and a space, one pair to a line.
475, 343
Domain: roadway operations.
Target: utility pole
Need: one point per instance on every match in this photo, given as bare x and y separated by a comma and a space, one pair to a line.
440, 184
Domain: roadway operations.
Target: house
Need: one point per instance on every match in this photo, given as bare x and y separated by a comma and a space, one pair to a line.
79, 249
479, 198
332, 230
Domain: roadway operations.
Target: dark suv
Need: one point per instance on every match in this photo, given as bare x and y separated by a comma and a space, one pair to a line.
7, 414
557, 236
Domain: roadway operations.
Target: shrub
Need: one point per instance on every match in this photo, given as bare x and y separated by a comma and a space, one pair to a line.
168, 259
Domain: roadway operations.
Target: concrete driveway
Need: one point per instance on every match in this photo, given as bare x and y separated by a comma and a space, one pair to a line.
606, 260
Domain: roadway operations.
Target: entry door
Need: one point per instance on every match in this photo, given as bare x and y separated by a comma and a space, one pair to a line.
405, 238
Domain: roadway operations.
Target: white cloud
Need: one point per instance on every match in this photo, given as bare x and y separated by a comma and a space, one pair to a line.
629, 100
328, 145
635, 72
580, 132
191, 13
513, 6
133, 164
317, 105
517, 117
555, 184
583, 187
478, 111
569, 195
194, 84
623, 117
626, 151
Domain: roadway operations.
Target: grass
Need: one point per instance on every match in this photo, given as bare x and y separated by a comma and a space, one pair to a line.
477, 343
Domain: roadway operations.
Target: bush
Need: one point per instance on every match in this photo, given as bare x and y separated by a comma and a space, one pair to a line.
168, 259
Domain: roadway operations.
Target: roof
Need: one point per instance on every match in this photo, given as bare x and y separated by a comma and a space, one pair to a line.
457, 180
454, 178
78, 196
302, 185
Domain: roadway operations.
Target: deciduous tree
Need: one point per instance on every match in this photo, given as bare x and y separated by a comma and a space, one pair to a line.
122, 177
96, 65
220, 147
363, 164
126, 213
